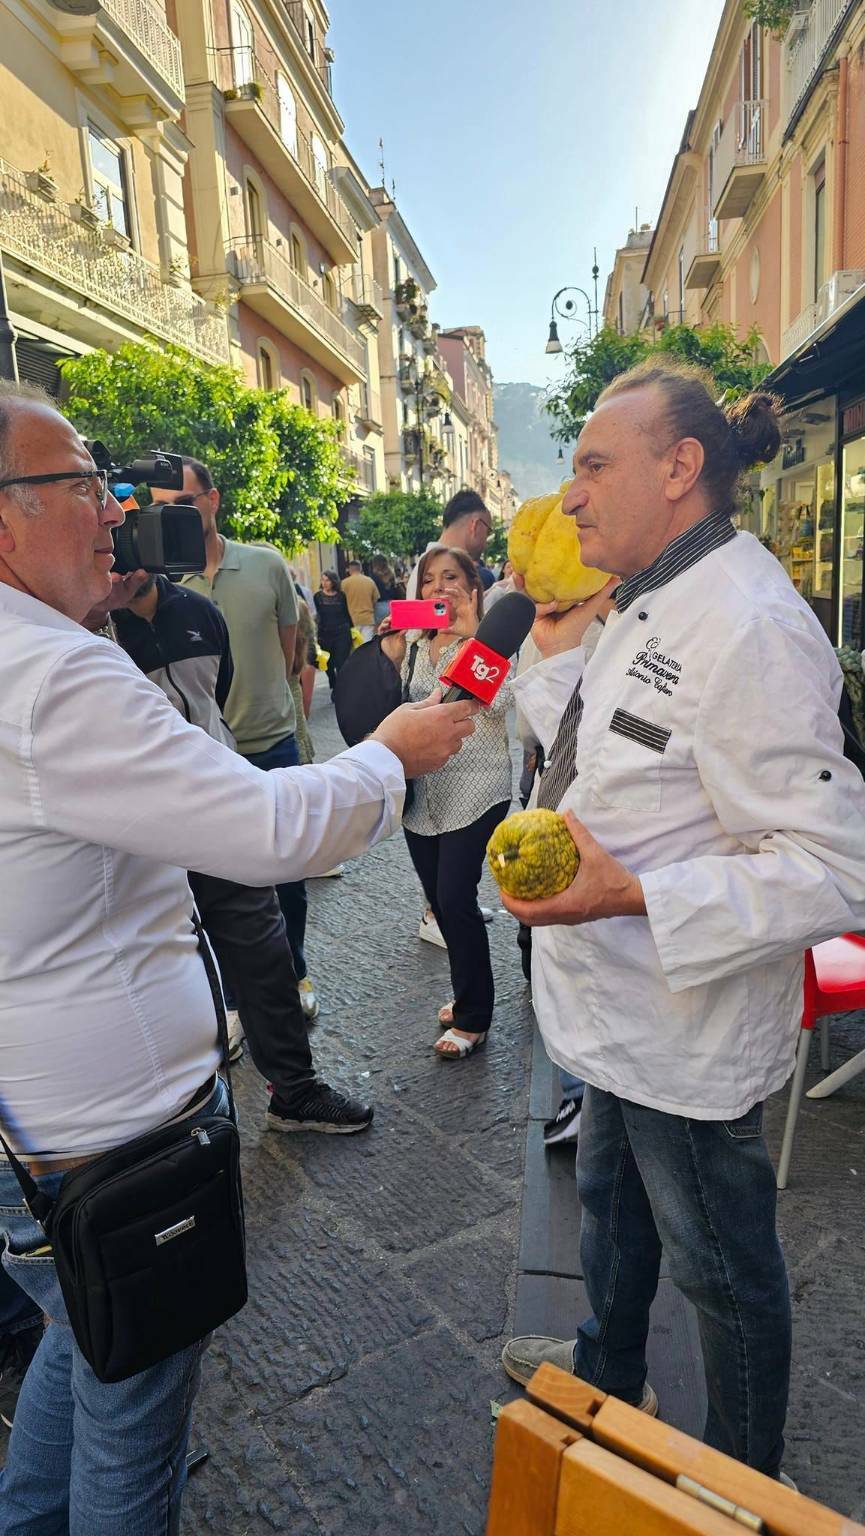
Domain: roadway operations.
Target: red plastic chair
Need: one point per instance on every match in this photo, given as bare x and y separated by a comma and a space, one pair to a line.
834, 983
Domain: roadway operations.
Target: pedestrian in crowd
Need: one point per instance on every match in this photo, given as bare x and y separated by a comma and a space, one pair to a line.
334, 624
251, 586
505, 583
303, 591
389, 588
721, 833
466, 524
486, 574
361, 594
179, 640
108, 1028
302, 682
452, 816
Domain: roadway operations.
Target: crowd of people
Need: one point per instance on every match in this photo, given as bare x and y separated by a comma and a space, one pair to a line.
154, 749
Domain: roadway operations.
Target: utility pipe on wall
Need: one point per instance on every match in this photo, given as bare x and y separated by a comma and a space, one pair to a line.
841, 142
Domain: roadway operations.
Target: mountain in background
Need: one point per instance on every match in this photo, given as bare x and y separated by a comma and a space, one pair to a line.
525, 446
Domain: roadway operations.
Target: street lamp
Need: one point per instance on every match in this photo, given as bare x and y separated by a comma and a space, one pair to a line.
566, 310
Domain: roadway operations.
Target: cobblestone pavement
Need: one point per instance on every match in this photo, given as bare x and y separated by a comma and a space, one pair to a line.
353, 1393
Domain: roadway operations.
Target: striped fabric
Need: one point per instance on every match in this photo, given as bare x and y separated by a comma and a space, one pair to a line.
655, 737
561, 768
710, 533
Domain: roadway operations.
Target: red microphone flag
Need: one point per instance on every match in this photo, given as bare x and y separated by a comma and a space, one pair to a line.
477, 669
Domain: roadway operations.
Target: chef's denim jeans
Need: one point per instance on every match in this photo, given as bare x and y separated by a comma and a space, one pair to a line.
292, 893
705, 1191
85, 1457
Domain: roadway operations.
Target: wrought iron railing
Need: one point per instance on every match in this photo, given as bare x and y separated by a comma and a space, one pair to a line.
256, 261
297, 15
743, 141
364, 291
44, 236
805, 44
145, 23
241, 75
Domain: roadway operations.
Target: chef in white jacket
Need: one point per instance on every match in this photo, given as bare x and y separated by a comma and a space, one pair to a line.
721, 832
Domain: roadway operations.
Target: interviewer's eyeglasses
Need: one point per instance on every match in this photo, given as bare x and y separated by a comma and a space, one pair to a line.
98, 478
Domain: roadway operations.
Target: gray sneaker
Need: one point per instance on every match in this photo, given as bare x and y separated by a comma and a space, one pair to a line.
522, 1356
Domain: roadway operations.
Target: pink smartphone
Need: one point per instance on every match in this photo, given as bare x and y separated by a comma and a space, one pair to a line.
418, 613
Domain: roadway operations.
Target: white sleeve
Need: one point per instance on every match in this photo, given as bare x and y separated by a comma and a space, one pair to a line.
768, 749
542, 693
114, 764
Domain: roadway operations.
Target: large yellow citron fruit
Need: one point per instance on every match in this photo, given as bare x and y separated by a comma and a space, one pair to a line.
532, 855
544, 546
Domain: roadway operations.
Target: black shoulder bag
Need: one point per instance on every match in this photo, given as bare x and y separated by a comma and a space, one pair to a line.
148, 1238
368, 688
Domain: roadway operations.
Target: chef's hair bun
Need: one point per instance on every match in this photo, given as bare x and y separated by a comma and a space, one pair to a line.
754, 425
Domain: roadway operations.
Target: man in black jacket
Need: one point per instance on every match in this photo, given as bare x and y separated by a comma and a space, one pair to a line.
179, 639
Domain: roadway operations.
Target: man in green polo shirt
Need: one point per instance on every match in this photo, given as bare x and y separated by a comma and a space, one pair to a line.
251, 586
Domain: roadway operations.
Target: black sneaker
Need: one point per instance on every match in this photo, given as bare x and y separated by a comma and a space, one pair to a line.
16, 1352
321, 1109
565, 1124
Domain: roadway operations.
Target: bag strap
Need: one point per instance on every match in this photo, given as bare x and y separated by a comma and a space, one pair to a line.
412, 658
40, 1205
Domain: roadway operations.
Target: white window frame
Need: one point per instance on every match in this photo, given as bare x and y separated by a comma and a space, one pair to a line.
287, 113
94, 179
242, 45
266, 347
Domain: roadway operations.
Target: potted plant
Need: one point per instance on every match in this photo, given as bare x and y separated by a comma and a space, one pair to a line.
114, 238
42, 182
175, 272
83, 212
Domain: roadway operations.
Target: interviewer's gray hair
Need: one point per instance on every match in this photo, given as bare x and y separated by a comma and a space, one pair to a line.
13, 392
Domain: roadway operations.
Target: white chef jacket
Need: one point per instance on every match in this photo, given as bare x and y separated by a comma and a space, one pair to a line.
107, 797
710, 762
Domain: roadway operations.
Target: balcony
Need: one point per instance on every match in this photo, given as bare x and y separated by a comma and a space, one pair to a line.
706, 261
270, 286
129, 46
267, 119
366, 296
811, 30
833, 293
740, 159
368, 409
318, 55
363, 469
62, 261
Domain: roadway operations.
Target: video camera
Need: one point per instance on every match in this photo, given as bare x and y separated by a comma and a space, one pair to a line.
160, 538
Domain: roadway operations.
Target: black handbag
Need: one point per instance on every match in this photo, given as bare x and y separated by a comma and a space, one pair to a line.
148, 1239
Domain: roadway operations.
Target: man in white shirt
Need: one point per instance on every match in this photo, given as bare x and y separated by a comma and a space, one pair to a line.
721, 832
466, 524
106, 797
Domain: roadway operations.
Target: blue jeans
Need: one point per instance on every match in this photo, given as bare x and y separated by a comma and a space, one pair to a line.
85, 1457
572, 1087
292, 895
706, 1190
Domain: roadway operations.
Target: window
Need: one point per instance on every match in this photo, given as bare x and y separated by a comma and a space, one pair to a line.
751, 65
309, 33
243, 54
254, 211
108, 173
336, 407
298, 256
819, 181
268, 366
287, 114
621, 314
328, 291
319, 161
307, 393
369, 475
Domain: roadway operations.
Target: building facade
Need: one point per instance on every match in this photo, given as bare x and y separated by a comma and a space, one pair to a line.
762, 227
626, 294
464, 352
92, 225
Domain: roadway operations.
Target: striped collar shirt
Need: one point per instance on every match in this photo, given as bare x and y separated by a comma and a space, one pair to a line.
710, 533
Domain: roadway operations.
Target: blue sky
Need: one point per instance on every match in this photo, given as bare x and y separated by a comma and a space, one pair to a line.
520, 135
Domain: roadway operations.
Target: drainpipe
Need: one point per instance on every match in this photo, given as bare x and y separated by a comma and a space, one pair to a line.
841, 142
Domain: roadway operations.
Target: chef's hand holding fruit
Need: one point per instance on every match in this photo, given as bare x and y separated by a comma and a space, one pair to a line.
602, 887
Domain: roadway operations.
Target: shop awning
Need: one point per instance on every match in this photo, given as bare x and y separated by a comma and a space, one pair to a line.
832, 358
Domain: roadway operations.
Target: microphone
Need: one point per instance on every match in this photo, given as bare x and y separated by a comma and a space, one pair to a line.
481, 664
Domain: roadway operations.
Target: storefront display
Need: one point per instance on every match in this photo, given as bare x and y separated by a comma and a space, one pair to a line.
797, 505
852, 534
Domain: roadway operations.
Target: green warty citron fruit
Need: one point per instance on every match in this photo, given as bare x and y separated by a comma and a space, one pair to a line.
532, 855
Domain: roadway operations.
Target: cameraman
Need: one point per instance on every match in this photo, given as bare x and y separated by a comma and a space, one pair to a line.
179, 639
108, 1028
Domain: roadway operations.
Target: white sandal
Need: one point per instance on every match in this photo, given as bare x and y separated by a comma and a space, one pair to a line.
464, 1047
